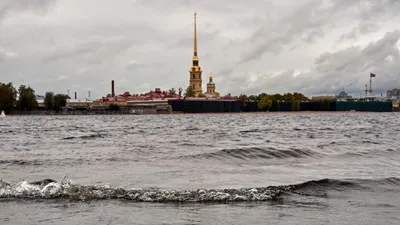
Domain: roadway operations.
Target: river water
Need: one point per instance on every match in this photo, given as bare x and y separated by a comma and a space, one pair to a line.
283, 168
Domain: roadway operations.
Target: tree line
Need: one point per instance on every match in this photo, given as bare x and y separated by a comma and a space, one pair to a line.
266, 102
23, 99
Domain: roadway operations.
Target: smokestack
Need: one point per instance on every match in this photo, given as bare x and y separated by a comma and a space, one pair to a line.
75, 95
112, 89
89, 95
68, 92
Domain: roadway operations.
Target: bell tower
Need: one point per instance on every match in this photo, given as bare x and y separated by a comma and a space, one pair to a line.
195, 80
211, 88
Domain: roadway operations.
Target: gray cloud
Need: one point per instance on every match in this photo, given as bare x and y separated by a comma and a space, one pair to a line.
4, 55
9, 8
359, 30
94, 51
310, 21
265, 46
347, 68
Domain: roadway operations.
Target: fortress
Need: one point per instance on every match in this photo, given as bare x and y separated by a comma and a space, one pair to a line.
195, 78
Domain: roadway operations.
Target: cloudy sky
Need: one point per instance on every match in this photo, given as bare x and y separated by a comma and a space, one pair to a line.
275, 46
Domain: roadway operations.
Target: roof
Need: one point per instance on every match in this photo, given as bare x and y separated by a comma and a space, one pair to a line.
78, 100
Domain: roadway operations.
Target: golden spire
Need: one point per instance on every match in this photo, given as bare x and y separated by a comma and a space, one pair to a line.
195, 35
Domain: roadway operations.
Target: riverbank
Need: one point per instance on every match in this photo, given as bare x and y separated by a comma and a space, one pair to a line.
208, 113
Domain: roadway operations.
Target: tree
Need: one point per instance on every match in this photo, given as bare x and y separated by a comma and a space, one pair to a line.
60, 101
27, 99
49, 100
275, 105
243, 100
296, 106
172, 90
299, 97
265, 103
253, 98
277, 97
201, 95
288, 97
189, 92
8, 96
180, 91
260, 96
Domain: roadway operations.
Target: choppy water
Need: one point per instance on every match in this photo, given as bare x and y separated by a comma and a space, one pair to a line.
317, 168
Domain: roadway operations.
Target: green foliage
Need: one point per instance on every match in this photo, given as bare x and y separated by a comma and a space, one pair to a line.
27, 99
275, 106
189, 92
271, 102
277, 97
243, 100
299, 97
60, 101
55, 102
201, 95
265, 103
8, 96
49, 100
253, 98
113, 107
296, 106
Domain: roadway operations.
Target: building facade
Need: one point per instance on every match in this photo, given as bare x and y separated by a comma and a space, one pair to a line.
394, 93
342, 95
195, 79
211, 89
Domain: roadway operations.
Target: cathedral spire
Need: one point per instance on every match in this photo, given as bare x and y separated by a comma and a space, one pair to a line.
195, 80
195, 35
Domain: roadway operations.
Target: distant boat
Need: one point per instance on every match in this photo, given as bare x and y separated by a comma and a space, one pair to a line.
2, 114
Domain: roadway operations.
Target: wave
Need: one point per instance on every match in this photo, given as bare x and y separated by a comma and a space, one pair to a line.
51, 189
20, 162
256, 130
64, 161
90, 136
257, 153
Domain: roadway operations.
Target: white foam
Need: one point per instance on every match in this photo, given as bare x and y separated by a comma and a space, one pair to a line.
51, 190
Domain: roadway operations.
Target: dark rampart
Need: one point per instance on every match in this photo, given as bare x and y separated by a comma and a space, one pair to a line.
204, 106
374, 106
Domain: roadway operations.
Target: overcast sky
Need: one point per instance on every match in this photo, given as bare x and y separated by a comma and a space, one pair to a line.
275, 46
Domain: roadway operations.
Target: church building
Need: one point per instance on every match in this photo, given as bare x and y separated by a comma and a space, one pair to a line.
211, 89
195, 79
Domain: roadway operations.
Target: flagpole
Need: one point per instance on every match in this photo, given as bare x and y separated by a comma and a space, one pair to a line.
370, 84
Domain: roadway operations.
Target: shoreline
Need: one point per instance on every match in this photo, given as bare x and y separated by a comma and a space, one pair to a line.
206, 113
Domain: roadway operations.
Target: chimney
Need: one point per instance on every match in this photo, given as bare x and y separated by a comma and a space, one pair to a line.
75, 95
89, 95
112, 89
68, 92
